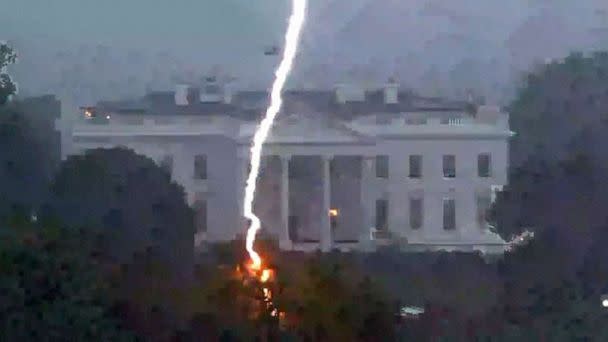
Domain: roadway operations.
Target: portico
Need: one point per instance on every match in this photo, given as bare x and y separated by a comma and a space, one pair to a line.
323, 162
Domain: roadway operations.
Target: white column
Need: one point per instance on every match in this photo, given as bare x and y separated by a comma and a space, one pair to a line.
326, 235
366, 199
284, 238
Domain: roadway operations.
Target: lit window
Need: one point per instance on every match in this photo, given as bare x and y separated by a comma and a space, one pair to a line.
333, 218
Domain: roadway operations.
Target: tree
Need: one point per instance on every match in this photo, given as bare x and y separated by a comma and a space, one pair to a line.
557, 179
129, 198
7, 86
557, 104
24, 174
52, 288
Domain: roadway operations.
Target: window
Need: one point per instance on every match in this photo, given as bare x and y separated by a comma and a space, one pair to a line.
381, 214
333, 221
483, 205
382, 166
484, 165
416, 213
415, 121
200, 167
293, 228
166, 163
449, 166
200, 215
449, 214
415, 166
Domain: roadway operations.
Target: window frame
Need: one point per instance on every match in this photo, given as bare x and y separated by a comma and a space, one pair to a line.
385, 171
420, 169
411, 220
449, 220
445, 169
488, 159
204, 174
378, 226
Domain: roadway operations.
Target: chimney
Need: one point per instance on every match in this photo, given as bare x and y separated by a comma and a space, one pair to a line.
211, 91
391, 92
181, 94
349, 93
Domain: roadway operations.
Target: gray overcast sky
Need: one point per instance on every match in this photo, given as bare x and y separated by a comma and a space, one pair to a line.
421, 40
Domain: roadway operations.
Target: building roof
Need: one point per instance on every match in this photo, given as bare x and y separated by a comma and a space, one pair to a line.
250, 105
307, 129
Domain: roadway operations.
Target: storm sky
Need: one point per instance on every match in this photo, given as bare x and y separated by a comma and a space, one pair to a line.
89, 49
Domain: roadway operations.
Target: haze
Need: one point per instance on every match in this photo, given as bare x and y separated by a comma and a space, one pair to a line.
114, 49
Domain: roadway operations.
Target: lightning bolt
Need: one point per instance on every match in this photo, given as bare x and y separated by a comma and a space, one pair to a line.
292, 37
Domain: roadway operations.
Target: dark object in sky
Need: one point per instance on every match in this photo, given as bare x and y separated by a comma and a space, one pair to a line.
272, 50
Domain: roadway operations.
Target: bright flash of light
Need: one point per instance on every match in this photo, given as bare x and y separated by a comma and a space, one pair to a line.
265, 275
333, 212
292, 37
605, 303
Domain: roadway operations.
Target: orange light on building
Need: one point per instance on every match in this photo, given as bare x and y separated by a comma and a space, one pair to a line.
333, 212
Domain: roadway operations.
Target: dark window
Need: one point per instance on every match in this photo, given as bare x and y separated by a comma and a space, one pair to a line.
382, 166
200, 166
416, 166
416, 213
293, 228
200, 215
381, 214
449, 214
484, 165
483, 205
449, 166
156, 233
415, 121
333, 222
167, 164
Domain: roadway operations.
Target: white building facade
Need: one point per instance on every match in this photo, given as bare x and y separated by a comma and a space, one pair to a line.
347, 168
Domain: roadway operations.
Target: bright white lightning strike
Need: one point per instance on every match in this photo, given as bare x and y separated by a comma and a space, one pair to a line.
292, 37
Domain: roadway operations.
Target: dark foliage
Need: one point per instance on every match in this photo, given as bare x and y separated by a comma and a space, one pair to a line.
7, 86
51, 288
131, 199
24, 171
558, 103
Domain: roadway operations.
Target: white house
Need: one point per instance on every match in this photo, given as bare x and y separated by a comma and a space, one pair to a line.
346, 168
